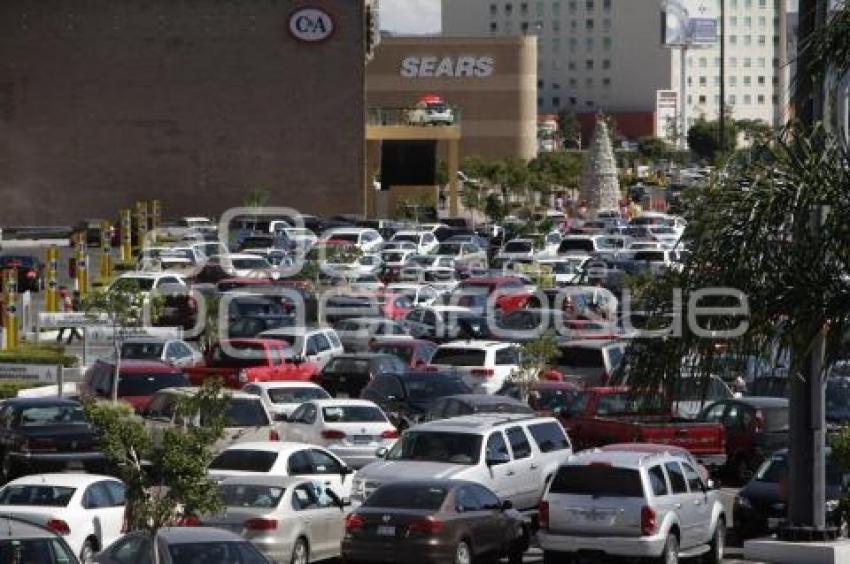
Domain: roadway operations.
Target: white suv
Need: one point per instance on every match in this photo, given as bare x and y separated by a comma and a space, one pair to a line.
485, 366
311, 344
513, 455
630, 504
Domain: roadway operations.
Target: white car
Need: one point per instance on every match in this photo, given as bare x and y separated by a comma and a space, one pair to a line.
442, 279
311, 344
282, 398
272, 458
367, 240
420, 294
460, 253
86, 509
145, 282
243, 265
364, 283
430, 261
175, 352
287, 519
350, 428
358, 333
567, 270
396, 258
303, 238
425, 241
517, 249
441, 322
484, 366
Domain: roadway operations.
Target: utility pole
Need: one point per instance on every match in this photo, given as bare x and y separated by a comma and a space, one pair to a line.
721, 119
807, 426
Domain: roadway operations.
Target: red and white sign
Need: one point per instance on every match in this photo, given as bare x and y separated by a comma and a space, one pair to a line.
311, 25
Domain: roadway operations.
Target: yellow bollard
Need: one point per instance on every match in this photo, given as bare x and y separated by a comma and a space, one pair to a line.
82, 267
51, 303
141, 223
126, 236
10, 314
105, 250
156, 214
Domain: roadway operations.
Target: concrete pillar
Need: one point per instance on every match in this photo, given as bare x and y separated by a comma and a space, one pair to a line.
453, 166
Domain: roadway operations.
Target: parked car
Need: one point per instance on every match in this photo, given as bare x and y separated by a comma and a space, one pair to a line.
23, 540
474, 404
415, 353
181, 545
347, 374
367, 240
86, 509
282, 398
358, 334
407, 398
511, 293
755, 428
352, 429
485, 366
434, 520
30, 271
475, 448
591, 361
146, 282
175, 352
289, 519
138, 381
692, 394
761, 506
444, 323
246, 417
42, 434
317, 345
425, 241
248, 315
630, 504
600, 416
650, 448
281, 459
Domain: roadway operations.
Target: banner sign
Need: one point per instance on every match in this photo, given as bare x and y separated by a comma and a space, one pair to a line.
46, 373
692, 23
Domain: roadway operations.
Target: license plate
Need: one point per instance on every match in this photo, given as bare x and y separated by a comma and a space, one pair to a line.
362, 439
386, 531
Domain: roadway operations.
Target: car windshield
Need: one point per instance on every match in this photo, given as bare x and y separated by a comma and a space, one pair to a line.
584, 245
244, 412
350, 237
142, 351
296, 395
580, 357
249, 263
348, 366
775, 469
650, 256
148, 384
422, 260
459, 356
550, 400
430, 387
244, 460
775, 418
45, 415
257, 308
598, 481
217, 551
393, 256
437, 446
250, 495
352, 414
41, 495
448, 249
403, 496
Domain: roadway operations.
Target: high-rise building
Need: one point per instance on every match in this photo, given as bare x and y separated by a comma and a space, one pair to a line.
607, 55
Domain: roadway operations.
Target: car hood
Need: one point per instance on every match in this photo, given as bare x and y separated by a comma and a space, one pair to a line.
394, 470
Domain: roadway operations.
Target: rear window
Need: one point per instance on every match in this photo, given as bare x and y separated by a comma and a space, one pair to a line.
296, 395
352, 414
243, 412
549, 436
597, 480
585, 245
142, 351
394, 496
148, 384
459, 357
48, 415
775, 419
250, 495
39, 495
348, 366
244, 460
579, 357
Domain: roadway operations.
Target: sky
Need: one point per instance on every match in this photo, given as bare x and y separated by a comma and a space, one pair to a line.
410, 16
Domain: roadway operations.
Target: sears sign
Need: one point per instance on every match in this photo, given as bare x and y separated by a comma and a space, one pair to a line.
450, 67
311, 25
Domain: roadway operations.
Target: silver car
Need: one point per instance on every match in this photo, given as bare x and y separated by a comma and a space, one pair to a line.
289, 519
181, 545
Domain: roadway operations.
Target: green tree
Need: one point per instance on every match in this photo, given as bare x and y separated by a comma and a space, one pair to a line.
166, 476
704, 139
653, 149
536, 357
569, 129
258, 197
754, 129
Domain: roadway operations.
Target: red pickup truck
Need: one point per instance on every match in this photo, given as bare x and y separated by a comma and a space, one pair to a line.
601, 416
239, 361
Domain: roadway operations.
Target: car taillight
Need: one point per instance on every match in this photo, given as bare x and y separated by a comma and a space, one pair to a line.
58, 526
189, 521
391, 434
260, 524
427, 526
331, 434
483, 372
31, 274
274, 435
543, 514
353, 522
648, 521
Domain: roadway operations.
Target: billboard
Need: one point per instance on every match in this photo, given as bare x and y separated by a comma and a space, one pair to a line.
691, 23
667, 115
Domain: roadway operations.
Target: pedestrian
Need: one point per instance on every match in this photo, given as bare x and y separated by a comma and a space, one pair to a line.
70, 303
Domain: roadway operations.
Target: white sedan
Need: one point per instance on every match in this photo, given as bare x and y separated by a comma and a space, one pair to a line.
271, 458
282, 398
86, 509
352, 429
288, 519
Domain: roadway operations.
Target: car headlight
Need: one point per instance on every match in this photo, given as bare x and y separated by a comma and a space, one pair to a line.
743, 502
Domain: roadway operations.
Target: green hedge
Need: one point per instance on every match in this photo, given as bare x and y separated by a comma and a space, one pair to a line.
39, 354
10, 389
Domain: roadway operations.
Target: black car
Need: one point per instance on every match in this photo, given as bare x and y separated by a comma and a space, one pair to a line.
24, 540
347, 374
30, 271
406, 398
469, 404
249, 316
43, 434
761, 506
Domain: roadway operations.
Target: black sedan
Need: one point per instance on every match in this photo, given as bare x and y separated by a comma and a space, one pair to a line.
406, 398
347, 374
434, 521
761, 506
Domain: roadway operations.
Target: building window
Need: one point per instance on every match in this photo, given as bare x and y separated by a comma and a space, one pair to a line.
606, 82
494, 27
540, 84
716, 61
762, 40
762, 3
732, 99
606, 5
571, 65
573, 42
733, 40
703, 81
556, 8
761, 81
748, 99
606, 24
606, 43
589, 103
716, 99
588, 43
573, 25
556, 25
509, 27
760, 99
703, 62
748, 62
606, 63
701, 99
572, 101
572, 6
733, 81
556, 101
524, 27
588, 4
690, 81
748, 3
523, 9
556, 86
748, 81
540, 102
762, 22
588, 64
573, 82
762, 62
716, 81
494, 9
588, 24
538, 8
733, 62
556, 44
588, 82
748, 22
690, 99
509, 9
733, 4
775, 99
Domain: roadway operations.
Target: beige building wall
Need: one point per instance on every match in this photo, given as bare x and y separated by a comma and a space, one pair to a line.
499, 105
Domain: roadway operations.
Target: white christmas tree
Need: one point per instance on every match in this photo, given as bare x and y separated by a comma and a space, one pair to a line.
600, 187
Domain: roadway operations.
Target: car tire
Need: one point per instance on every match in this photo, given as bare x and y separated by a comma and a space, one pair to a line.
718, 544
463, 553
300, 552
88, 551
670, 555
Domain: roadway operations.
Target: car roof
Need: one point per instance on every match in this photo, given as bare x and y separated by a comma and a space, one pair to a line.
70, 479
39, 402
487, 399
334, 402
477, 423
362, 355
627, 459
184, 535
265, 480
476, 344
131, 366
283, 384
271, 446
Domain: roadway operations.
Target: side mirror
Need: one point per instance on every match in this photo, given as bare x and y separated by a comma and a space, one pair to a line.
335, 498
506, 504
497, 459
346, 470
381, 452
281, 417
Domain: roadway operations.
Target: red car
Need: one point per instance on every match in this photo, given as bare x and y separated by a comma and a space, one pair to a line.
416, 353
138, 381
393, 305
512, 293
